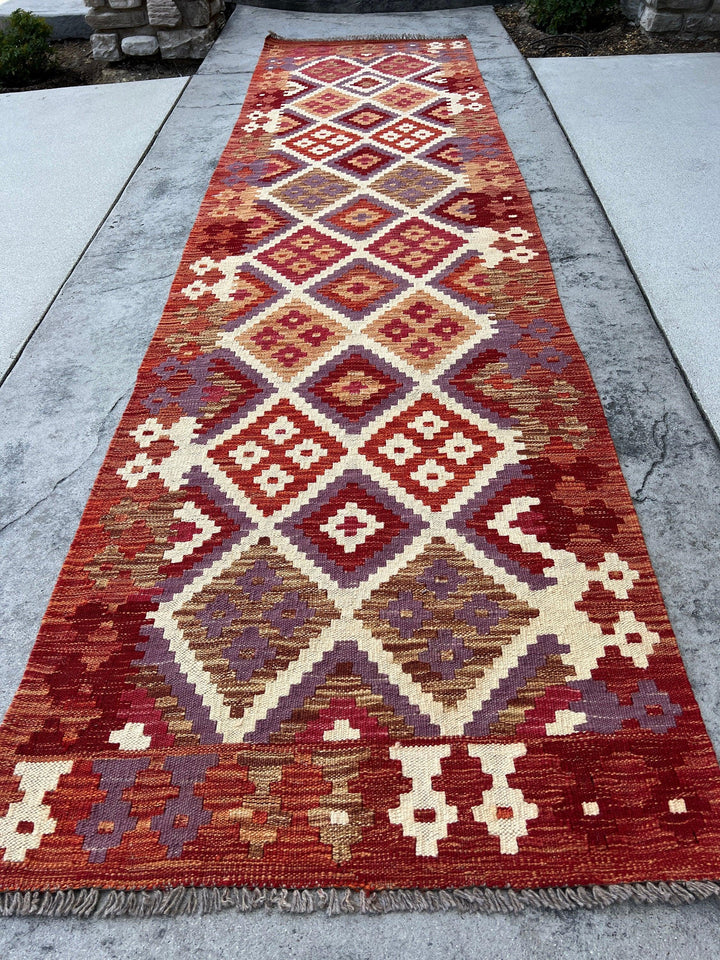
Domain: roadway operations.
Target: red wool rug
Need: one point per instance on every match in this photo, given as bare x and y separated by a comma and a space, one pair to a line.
359, 613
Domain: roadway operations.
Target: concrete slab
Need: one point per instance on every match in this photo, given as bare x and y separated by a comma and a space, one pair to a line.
66, 17
67, 392
647, 131
65, 156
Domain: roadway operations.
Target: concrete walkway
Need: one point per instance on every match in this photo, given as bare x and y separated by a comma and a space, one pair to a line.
65, 155
67, 392
647, 132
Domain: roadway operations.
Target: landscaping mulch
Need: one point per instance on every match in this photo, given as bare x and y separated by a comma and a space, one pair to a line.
619, 37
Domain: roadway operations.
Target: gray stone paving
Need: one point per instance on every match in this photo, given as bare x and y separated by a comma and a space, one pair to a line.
647, 132
65, 155
67, 392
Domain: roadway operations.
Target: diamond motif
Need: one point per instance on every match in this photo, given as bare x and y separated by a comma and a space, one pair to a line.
400, 65
304, 254
366, 117
438, 112
444, 621
213, 388
415, 246
411, 184
330, 69
277, 457
322, 142
450, 154
422, 330
432, 452
251, 622
366, 83
292, 337
359, 288
354, 388
467, 281
404, 97
326, 103
277, 167
314, 191
291, 123
407, 135
364, 162
361, 217
458, 210
200, 531
352, 528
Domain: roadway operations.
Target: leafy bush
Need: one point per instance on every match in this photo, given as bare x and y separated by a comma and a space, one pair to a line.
563, 16
25, 51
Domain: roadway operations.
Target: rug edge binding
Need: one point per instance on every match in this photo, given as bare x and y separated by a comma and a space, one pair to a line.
95, 903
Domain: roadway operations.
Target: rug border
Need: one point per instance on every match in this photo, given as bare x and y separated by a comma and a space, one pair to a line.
98, 903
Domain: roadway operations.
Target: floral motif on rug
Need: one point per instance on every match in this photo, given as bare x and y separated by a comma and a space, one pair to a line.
359, 600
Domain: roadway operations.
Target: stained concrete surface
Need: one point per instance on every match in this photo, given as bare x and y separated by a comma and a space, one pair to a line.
65, 155
647, 131
68, 390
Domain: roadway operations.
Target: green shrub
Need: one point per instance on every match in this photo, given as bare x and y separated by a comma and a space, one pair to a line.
25, 51
564, 16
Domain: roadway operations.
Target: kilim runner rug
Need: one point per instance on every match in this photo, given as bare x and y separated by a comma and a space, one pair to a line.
359, 613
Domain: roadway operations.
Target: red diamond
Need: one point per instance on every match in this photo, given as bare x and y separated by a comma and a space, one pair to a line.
361, 217
467, 281
277, 166
366, 117
431, 451
365, 161
352, 528
322, 141
354, 388
277, 457
416, 246
330, 70
407, 135
400, 65
303, 254
358, 289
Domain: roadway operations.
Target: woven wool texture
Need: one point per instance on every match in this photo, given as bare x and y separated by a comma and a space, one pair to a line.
359, 599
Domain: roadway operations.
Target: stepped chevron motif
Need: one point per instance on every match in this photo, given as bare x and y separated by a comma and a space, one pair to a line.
359, 599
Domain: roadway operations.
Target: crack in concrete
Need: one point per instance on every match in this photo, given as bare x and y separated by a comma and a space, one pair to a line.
72, 472
660, 432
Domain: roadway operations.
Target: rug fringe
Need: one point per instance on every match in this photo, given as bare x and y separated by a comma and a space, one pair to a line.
365, 38
179, 901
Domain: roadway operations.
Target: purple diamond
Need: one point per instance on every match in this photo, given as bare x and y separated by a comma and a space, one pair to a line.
406, 614
289, 614
258, 581
441, 578
445, 654
481, 612
247, 653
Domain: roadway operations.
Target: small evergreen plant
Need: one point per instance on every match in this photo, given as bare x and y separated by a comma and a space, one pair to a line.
25, 51
566, 16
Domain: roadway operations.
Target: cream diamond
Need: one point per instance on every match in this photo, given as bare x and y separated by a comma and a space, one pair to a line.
273, 480
351, 526
306, 453
399, 449
281, 430
432, 475
427, 424
460, 448
248, 454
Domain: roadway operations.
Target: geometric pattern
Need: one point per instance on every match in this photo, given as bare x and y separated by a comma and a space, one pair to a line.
359, 598
354, 388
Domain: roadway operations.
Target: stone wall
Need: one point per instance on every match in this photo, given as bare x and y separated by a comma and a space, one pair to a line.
661, 16
139, 28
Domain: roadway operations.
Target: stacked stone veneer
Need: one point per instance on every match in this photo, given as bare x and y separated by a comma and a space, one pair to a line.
139, 28
661, 16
